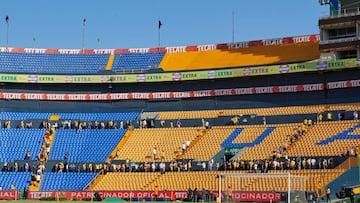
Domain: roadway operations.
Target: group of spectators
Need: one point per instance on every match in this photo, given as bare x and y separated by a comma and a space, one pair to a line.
71, 124
262, 166
204, 195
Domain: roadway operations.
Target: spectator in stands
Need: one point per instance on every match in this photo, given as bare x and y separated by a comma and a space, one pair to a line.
352, 151
154, 152
156, 193
356, 115
195, 195
162, 123
328, 193
12, 186
203, 165
203, 195
178, 123
29, 124
47, 146
352, 196
7, 124
264, 120
16, 167
319, 189
211, 164
110, 124
207, 125
234, 120
27, 155
229, 193
22, 124
66, 157
0, 187
329, 116
320, 117
183, 147
189, 165
26, 167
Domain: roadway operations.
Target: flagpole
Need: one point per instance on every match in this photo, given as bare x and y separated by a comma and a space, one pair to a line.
7, 32
34, 39
83, 35
233, 27
159, 34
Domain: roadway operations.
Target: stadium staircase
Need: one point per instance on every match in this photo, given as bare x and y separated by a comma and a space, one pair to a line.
34, 185
97, 180
120, 145
110, 62
202, 133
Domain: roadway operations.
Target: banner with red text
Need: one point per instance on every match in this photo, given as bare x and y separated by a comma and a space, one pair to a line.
162, 95
180, 95
206, 47
9, 194
172, 195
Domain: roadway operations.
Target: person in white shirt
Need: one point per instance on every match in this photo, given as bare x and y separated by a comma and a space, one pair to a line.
154, 152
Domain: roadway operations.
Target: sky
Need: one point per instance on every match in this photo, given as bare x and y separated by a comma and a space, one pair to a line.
134, 23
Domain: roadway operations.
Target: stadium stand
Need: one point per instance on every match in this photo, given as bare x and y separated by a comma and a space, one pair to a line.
14, 143
19, 179
137, 62
275, 54
270, 111
123, 181
66, 181
80, 145
330, 138
181, 181
11, 62
75, 116
167, 141
117, 159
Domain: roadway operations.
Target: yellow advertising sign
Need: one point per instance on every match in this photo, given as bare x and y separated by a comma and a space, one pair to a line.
180, 76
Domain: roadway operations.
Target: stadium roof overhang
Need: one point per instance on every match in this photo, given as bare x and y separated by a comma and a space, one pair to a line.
339, 45
335, 21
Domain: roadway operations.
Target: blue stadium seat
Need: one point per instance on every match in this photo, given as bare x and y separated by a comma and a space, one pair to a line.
81, 146
77, 116
66, 181
14, 143
137, 62
12, 62
21, 180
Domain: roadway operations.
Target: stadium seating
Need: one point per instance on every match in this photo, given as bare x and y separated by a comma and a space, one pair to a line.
136, 62
181, 181
14, 143
81, 146
124, 181
210, 144
66, 181
287, 110
168, 142
312, 142
20, 179
251, 56
12, 62
76, 116
100, 116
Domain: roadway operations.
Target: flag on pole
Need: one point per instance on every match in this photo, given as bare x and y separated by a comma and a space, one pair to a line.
160, 24
84, 22
7, 19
